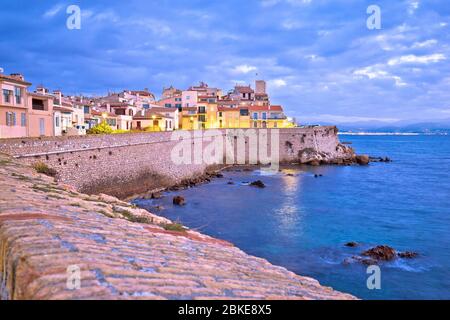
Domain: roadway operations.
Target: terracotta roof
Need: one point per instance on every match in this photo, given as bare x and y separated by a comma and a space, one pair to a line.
142, 93
244, 89
266, 108
148, 114
100, 113
62, 109
189, 108
163, 109
14, 79
41, 95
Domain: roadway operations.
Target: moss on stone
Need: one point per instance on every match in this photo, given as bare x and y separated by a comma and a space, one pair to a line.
178, 227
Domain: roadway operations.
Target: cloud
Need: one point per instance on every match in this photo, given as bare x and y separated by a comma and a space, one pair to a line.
376, 72
53, 11
244, 68
413, 59
278, 83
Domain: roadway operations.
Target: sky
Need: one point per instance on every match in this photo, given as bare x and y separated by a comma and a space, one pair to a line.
319, 58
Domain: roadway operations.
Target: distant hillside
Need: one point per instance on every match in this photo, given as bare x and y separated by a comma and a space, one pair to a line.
442, 127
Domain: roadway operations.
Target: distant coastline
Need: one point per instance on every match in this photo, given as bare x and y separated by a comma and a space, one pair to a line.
392, 134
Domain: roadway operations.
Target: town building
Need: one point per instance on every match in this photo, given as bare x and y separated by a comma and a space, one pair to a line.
13, 106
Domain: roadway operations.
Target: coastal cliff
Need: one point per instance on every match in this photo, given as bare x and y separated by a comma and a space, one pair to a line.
48, 229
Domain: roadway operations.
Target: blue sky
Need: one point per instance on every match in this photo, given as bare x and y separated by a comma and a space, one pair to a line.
319, 58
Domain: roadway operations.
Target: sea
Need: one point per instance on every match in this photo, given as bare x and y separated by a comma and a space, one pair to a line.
305, 216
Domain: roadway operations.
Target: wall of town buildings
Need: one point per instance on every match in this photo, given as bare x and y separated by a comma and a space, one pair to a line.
122, 165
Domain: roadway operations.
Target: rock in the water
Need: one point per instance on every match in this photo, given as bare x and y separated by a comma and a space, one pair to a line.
157, 195
408, 255
314, 163
179, 201
362, 160
258, 183
384, 253
352, 244
230, 183
219, 175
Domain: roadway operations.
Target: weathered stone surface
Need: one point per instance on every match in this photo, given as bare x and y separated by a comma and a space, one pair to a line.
363, 160
179, 201
128, 164
46, 227
408, 255
384, 253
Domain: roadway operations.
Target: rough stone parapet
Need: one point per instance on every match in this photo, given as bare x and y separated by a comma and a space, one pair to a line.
47, 227
127, 164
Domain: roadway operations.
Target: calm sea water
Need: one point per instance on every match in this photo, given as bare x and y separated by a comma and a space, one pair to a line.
303, 222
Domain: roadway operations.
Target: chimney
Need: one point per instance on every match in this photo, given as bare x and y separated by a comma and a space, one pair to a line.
18, 76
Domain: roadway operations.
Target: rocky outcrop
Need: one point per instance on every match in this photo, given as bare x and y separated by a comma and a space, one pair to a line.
363, 160
342, 155
50, 235
179, 201
380, 253
258, 184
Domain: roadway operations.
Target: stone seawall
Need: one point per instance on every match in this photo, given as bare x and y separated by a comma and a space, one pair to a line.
57, 243
127, 164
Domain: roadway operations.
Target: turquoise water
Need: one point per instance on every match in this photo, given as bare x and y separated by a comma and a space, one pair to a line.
303, 222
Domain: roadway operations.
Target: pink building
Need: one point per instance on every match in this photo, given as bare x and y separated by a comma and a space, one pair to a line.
40, 114
13, 106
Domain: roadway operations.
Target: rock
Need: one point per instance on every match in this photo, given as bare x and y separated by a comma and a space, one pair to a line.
384, 253
408, 255
157, 195
352, 244
258, 183
362, 160
230, 183
179, 201
219, 175
314, 163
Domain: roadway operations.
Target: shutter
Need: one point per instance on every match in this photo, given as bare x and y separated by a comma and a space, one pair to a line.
7, 119
14, 118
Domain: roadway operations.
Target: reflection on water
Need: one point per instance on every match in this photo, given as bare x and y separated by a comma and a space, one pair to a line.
302, 222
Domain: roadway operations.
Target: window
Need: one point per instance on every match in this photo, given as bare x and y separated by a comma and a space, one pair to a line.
178, 105
18, 94
146, 106
86, 109
255, 124
264, 115
188, 97
275, 124
10, 119
220, 114
23, 119
57, 122
202, 109
243, 112
168, 105
130, 112
37, 104
177, 99
202, 118
255, 115
6, 96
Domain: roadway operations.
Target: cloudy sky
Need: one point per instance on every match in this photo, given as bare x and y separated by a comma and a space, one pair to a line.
318, 56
